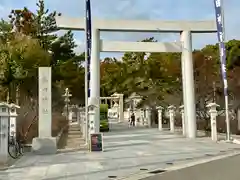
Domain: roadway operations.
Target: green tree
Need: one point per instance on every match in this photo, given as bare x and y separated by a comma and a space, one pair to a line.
42, 26
20, 58
150, 75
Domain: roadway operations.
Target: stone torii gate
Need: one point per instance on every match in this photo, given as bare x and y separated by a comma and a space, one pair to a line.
184, 28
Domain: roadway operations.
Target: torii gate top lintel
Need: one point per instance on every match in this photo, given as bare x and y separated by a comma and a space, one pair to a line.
138, 25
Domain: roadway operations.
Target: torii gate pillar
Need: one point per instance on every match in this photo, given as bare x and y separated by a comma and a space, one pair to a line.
95, 78
188, 84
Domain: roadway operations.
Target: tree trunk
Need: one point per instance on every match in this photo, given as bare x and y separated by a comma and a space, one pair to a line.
11, 93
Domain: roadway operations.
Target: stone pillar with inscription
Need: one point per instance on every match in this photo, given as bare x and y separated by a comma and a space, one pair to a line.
45, 143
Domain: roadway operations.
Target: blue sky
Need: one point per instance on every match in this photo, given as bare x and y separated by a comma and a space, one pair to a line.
140, 9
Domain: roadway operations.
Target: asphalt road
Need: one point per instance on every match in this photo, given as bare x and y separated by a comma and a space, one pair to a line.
223, 169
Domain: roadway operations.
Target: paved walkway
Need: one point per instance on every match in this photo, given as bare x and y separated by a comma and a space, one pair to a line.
127, 151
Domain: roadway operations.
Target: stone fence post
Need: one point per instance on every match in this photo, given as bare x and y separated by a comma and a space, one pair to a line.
160, 123
181, 108
78, 116
70, 113
13, 119
142, 118
148, 116
80, 119
4, 119
129, 114
84, 122
172, 110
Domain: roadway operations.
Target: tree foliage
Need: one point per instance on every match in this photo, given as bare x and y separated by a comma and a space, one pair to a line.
28, 40
157, 76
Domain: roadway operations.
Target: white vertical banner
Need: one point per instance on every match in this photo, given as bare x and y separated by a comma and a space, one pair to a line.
45, 102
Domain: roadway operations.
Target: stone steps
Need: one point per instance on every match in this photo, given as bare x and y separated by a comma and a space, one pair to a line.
74, 139
74, 136
75, 143
74, 132
74, 129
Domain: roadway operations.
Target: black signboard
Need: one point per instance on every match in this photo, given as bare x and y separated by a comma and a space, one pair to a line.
96, 142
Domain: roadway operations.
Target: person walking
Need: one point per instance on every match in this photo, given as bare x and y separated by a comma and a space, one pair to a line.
132, 120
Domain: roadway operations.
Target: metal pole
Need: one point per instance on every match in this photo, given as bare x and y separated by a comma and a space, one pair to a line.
228, 135
223, 22
227, 119
86, 85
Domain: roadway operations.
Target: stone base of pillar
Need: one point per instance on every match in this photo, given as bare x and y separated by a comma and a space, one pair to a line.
3, 159
44, 146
